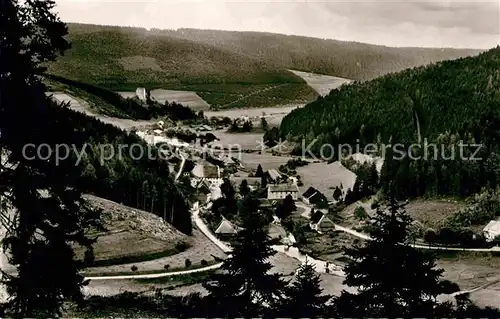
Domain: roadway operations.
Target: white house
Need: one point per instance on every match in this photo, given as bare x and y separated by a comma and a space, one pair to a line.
319, 219
151, 138
281, 191
141, 94
492, 230
215, 192
175, 142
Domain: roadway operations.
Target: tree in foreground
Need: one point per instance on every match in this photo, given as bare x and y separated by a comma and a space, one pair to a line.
246, 288
42, 207
305, 297
393, 279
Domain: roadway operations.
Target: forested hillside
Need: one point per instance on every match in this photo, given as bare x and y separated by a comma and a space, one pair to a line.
352, 60
447, 102
122, 59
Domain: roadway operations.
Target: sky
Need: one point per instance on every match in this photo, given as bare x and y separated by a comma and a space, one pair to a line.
425, 23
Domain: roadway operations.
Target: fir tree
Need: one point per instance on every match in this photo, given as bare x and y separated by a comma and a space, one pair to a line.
246, 288
304, 297
393, 279
263, 124
259, 172
337, 193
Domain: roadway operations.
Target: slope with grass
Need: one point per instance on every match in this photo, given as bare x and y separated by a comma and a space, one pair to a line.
122, 59
445, 103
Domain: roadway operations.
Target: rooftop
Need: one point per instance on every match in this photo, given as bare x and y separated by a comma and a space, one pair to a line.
274, 174
309, 192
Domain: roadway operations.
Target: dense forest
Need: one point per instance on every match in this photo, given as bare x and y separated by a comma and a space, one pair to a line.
140, 181
437, 107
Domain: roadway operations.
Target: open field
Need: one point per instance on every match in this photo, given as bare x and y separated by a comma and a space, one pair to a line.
322, 84
267, 161
243, 141
201, 249
132, 234
281, 263
255, 112
186, 98
323, 176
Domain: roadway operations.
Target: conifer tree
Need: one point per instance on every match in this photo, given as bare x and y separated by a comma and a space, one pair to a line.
393, 279
246, 288
305, 297
41, 195
244, 188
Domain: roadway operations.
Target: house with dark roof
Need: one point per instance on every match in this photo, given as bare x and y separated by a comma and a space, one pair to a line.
309, 192
281, 191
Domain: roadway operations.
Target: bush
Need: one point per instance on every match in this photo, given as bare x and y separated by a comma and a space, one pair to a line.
360, 213
430, 235
134, 268
204, 262
449, 287
416, 229
166, 267
187, 263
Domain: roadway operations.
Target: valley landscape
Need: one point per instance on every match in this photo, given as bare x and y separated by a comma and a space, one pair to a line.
211, 203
